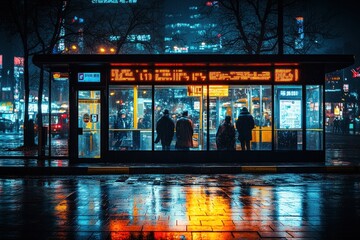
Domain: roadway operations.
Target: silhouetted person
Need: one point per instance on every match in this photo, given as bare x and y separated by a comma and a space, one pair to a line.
121, 122
345, 125
336, 127
31, 133
225, 135
244, 126
184, 132
165, 130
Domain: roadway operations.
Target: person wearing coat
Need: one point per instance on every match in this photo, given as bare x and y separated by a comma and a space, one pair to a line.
184, 132
165, 130
225, 135
244, 125
121, 122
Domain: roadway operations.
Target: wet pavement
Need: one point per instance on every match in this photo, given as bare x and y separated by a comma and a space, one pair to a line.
53, 199
220, 206
342, 155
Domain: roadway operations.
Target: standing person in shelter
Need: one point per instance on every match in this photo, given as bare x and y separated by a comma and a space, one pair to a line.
184, 132
336, 127
225, 135
165, 130
244, 126
121, 122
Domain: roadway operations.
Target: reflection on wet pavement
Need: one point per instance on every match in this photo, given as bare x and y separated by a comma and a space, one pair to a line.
340, 150
245, 206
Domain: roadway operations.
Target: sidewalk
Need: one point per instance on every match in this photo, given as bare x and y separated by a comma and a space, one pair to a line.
342, 156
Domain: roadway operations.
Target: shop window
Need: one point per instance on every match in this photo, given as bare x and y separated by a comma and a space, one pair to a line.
288, 115
130, 118
314, 117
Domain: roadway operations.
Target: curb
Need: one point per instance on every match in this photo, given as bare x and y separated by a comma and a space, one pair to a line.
14, 171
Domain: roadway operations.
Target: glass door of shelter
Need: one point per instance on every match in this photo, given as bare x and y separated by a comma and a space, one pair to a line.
89, 124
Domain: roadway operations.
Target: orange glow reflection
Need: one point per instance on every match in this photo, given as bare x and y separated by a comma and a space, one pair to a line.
207, 210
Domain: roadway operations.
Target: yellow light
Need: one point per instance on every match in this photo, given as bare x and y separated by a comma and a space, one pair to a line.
112, 50
73, 47
102, 50
112, 93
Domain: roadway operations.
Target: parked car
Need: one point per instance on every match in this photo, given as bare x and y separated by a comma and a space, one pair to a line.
6, 125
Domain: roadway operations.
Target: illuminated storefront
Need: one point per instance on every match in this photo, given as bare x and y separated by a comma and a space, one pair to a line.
285, 95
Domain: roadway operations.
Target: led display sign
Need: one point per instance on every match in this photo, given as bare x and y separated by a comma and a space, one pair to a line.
239, 75
286, 75
214, 91
199, 76
290, 93
158, 75
179, 75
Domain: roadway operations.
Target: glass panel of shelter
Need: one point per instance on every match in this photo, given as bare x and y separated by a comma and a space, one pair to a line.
288, 124
258, 100
89, 121
131, 116
132, 120
314, 118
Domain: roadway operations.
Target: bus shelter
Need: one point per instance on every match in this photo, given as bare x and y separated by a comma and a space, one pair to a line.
284, 94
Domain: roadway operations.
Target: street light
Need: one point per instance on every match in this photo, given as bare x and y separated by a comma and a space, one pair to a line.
102, 50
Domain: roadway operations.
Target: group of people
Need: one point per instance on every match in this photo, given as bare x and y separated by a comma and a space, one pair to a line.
225, 135
184, 130
341, 125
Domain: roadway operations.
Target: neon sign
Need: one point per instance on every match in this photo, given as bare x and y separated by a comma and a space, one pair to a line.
356, 72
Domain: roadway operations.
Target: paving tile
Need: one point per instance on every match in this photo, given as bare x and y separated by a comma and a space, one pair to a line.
161, 228
212, 235
274, 234
212, 223
194, 228
173, 235
246, 235
188, 222
304, 234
